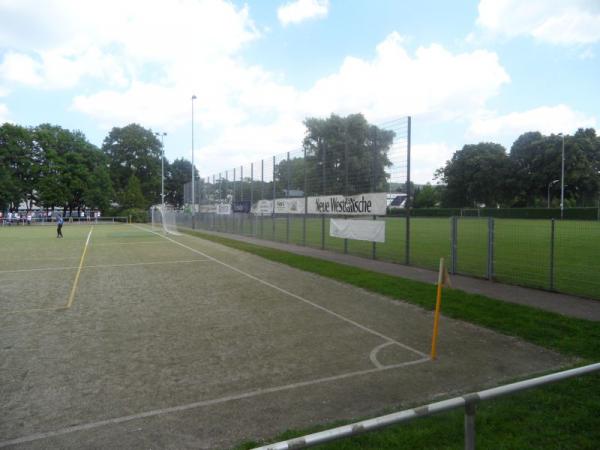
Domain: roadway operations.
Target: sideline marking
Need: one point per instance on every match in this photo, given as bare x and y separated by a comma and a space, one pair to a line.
74, 288
18, 311
145, 264
37, 269
102, 265
128, 243
216, 401
291, 294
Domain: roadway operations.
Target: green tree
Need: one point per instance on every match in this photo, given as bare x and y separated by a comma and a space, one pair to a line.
476, 174
134, 151
345, 155
426, 196
18, 166
177, 174
72, 172
132, 197
537, 163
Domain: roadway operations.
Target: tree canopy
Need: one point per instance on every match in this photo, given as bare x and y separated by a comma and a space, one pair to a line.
485, 174
134, 151
345, 155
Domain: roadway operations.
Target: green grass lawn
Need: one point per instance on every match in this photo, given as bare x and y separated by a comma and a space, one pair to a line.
522, 248
565, 415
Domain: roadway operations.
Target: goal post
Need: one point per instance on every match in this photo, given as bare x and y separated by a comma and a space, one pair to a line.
163, 218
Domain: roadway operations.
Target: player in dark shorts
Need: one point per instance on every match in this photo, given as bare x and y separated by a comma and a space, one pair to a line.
59, 224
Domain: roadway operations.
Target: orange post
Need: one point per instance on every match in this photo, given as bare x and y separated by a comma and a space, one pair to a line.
442, 276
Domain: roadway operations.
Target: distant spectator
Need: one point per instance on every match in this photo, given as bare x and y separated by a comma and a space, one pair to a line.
28, 217
59, 225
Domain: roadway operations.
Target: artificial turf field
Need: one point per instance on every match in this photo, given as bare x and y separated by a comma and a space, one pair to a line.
522, 248
118, 337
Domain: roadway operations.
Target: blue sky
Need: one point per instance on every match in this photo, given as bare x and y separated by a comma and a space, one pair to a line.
467, 71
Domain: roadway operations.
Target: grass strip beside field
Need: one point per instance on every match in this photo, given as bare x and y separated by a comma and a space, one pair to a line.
564, 415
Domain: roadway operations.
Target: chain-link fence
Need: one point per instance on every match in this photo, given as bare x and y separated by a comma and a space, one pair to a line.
269, 199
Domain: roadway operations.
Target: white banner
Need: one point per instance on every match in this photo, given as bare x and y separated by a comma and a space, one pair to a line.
208, 209
356, 205
361, 204
224, 208
289, 205
360, 230
262, 208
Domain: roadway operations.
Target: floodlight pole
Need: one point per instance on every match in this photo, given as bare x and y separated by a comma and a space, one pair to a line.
549, 185
562, 178
193, 189
162, 169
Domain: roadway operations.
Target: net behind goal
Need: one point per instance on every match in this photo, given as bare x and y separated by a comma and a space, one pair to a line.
163, 218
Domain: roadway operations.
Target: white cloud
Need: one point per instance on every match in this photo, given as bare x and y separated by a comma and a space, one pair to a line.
434, 83
250, 143
301, 10
545, 119
93, 41
147, 66
427, 158
553, 21
16, 67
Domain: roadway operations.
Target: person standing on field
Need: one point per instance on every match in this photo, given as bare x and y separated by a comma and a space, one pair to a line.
59, 224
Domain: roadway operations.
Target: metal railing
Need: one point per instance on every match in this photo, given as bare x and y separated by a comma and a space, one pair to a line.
468, 401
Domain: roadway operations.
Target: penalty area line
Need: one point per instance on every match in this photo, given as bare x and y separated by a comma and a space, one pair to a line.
195, 405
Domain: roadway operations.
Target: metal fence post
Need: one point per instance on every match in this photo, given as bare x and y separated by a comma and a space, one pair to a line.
490, 263
262, 195
323, 149
469, 424
407, 203
346, 177
552, 234
322, 231
252, 216
242, 199
287, 195
273, 215
453, 243
374, 247
305, 200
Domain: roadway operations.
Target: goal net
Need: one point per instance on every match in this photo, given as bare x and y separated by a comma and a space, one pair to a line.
163, 218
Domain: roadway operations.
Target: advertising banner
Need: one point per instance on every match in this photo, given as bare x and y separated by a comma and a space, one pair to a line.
208, 209
263, 208
289, 205
224, 208
360, 230
241, 206
356, 205
361, 204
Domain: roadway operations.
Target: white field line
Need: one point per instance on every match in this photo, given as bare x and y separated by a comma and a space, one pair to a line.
105, 265
186, 407
49, 259
128, 243
291, 294
38, 269
185, 261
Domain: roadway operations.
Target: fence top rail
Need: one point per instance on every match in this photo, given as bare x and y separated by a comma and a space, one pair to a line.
426, 410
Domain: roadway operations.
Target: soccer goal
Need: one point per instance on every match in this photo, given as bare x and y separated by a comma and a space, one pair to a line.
163, 218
